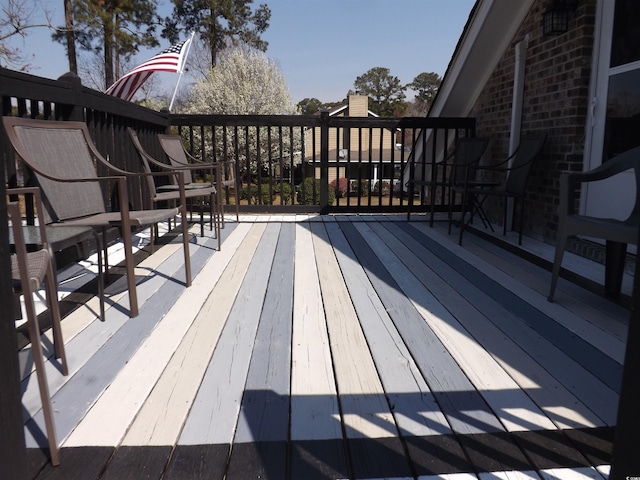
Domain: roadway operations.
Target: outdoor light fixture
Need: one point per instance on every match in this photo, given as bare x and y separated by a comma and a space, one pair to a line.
555, 19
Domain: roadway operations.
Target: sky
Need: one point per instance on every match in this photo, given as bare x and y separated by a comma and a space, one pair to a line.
321, 46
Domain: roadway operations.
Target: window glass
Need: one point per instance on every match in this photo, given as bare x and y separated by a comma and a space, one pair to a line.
623, 113
625, 45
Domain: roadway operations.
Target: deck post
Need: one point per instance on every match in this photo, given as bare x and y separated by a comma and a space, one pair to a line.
13, 456
625, 463
71, 112
324, 162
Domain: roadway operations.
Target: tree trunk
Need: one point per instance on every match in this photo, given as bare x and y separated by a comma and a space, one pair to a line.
108, 56
70, 34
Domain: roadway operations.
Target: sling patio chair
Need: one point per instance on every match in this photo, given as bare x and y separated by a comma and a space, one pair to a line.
61, 237
617, 233
452, 170
226, 172
28, 272
514, 173
63, 160
170, 193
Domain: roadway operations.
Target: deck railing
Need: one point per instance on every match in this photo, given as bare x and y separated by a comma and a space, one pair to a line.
293, 163
322, 162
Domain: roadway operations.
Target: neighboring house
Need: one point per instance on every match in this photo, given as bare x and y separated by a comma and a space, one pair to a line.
581, 86
347, 146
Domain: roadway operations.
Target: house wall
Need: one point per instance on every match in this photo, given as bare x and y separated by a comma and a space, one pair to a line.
358, 139
556, 99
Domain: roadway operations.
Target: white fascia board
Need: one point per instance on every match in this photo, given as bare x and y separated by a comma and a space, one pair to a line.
484, 41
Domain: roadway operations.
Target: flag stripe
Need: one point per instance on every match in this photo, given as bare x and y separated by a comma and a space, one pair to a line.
169, 60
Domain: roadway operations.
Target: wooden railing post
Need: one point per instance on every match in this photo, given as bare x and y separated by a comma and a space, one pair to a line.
75, 112
13, 456
324, 162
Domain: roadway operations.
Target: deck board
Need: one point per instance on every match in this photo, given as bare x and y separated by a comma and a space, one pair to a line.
338, 347
512, 406
214, 413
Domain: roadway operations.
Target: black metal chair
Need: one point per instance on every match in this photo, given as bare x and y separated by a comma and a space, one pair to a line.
454, 169
617, 233
515, 172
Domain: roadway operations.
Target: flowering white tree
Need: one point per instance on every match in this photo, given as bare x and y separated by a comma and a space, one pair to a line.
246, 82
243, 82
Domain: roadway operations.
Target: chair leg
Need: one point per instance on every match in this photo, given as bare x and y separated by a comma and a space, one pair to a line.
131, 274
56, 325
521, 223
237, 195
101, 274
185, 246
43, 386
557, 263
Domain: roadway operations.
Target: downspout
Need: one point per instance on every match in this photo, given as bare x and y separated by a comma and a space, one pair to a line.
516, 108
518, 94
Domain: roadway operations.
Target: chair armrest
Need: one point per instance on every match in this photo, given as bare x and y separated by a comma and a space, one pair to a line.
35, 192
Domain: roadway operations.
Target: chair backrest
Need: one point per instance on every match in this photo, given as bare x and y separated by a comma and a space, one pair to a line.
173, 148
145, 158
627, 160
63, 150
527, 153
467, 155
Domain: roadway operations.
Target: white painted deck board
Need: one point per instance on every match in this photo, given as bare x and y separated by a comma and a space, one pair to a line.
415, 410
161, 418
214, 413
364, 408
313, 385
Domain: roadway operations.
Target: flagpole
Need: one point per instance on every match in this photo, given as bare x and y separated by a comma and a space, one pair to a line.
186, 54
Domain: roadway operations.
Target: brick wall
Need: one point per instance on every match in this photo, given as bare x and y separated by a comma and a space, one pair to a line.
556, 99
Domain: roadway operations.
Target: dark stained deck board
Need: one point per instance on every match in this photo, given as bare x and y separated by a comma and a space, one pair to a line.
214, 414
197, 462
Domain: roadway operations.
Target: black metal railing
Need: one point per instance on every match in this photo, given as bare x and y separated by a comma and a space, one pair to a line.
285, 163
322, 163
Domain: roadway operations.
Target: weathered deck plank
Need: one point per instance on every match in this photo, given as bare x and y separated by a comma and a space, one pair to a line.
341, 347
512, 406
214, 413
162, 414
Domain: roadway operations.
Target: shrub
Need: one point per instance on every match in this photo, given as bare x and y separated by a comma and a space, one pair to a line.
258, 196
284, 190
385, 187
341, 187
363, 190
306, 192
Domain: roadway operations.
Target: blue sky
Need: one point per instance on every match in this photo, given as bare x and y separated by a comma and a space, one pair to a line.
320, 45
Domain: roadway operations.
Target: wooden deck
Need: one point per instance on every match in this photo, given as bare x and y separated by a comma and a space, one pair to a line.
337, 347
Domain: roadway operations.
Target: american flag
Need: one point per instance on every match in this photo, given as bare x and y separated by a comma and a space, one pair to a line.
171, 59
